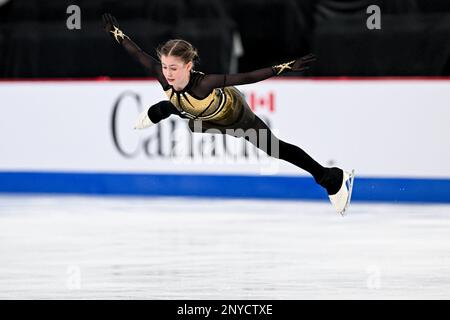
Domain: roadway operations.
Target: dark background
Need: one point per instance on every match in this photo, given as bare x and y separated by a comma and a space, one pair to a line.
414, 39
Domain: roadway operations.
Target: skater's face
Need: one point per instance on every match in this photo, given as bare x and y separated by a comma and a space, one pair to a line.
176, 71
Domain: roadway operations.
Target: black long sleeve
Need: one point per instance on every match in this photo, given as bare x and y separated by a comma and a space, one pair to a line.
152, 65
216, 81
211, 81
163, 110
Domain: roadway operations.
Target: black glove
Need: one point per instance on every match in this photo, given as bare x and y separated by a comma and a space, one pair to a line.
295, 65
111, 26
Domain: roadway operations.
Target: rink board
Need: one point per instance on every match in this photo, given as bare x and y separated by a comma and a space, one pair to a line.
224, 186
77, 137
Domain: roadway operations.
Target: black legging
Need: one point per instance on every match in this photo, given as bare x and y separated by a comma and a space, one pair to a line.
329, 178
286, 151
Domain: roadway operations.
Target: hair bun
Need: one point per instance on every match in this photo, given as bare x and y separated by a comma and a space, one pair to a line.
179, 48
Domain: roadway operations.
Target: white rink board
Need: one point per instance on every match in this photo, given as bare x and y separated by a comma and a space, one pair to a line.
383, 128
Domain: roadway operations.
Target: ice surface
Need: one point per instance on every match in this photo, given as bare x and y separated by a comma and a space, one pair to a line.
174, 248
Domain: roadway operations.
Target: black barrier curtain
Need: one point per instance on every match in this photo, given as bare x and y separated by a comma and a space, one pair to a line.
35, 41
412, 41
328, 9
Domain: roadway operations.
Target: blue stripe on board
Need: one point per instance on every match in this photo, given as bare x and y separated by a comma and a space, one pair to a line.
227, 186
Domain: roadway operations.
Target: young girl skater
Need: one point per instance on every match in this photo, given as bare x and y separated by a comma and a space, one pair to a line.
212, 102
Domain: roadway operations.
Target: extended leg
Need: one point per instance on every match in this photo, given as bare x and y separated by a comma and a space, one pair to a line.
329, 178
339, 184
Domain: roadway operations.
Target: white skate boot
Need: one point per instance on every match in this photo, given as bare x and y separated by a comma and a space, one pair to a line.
341, 199
143, 121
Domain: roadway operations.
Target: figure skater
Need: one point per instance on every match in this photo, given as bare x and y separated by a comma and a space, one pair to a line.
212, 102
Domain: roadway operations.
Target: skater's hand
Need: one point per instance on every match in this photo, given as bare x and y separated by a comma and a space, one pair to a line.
300, 64
109, 21
111, 26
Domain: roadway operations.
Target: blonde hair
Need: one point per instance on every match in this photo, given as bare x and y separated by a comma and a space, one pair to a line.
179, 48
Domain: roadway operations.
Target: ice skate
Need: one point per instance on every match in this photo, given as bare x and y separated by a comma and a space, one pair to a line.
143, 121
341, 199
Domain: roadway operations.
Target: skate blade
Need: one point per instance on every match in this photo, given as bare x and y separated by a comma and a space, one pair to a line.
350, 180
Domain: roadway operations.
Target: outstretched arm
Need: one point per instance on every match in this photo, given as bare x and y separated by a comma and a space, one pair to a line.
217, 81
152, 65
162, 110
156, 113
